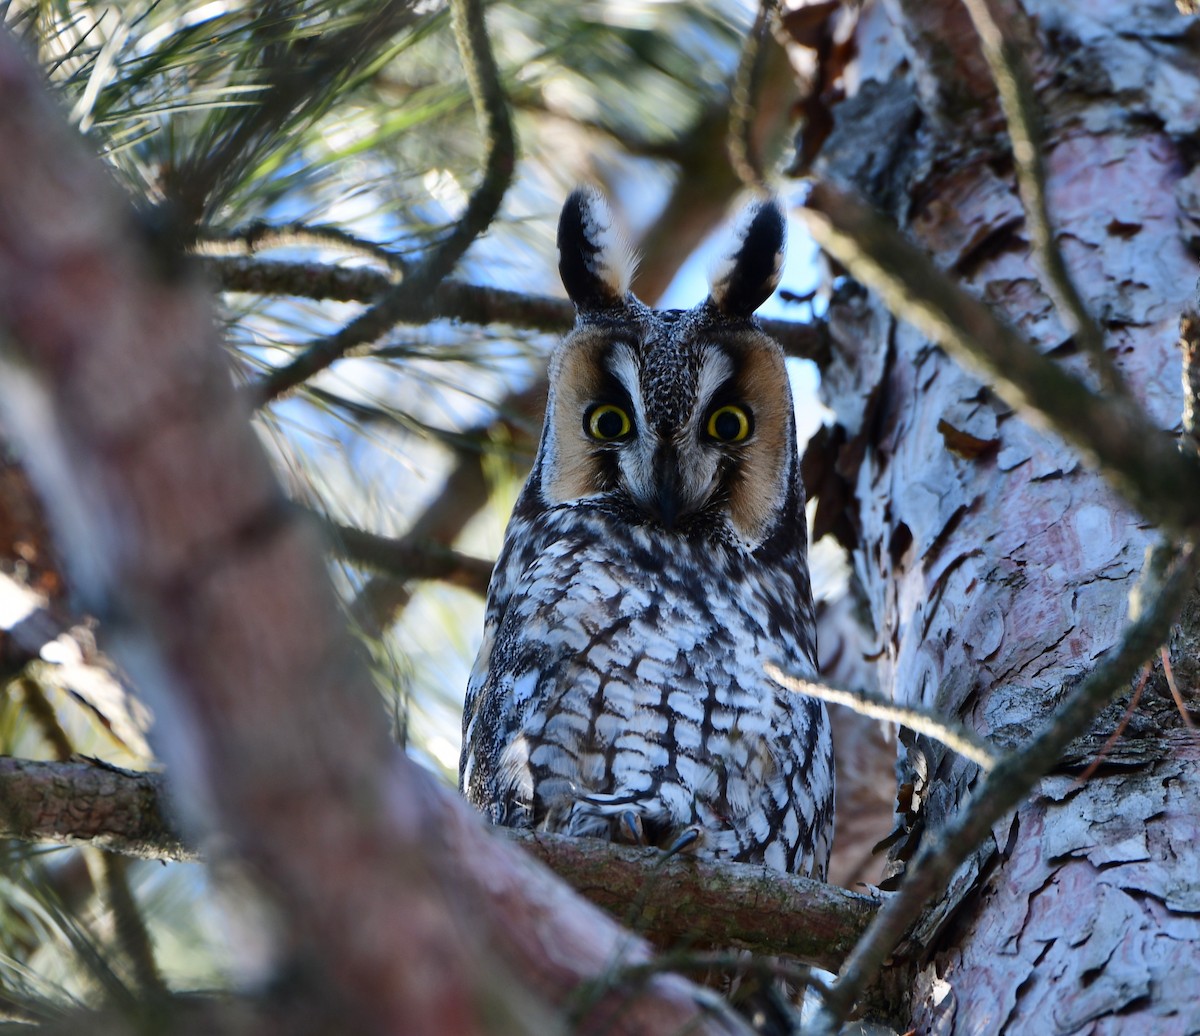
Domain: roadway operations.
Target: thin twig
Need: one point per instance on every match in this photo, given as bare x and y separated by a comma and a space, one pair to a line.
261, 236
483, 77
1024, 130
408, 558
1135, 455
1112, 738
1169, 673
453, 300
953, 735
745, 162
1153, 608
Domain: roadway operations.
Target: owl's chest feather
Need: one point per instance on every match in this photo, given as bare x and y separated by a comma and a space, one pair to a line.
632, 679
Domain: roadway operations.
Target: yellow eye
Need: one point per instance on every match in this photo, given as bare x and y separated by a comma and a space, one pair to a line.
728, 424
607, 422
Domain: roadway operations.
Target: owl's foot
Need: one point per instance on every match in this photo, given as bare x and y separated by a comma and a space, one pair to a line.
687, 839
630, 828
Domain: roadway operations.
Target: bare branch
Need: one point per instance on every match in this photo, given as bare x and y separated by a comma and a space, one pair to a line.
953, 735
453, 300
88, 803
1154, 607
684, 900
409, 558
672, 900
1138, 458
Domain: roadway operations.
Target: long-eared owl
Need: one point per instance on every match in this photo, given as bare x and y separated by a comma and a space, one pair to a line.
656, 558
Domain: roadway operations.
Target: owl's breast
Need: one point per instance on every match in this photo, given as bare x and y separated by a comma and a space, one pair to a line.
633, 672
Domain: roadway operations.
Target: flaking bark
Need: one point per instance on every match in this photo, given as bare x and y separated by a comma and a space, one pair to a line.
997, 578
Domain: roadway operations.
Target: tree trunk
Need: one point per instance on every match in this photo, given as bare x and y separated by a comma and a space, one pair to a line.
995, 564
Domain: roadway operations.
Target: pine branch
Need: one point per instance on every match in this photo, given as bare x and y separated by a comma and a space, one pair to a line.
682, 900
423, 279
299, 77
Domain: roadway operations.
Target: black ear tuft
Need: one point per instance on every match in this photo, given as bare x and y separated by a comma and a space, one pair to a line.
744, 279
593, 260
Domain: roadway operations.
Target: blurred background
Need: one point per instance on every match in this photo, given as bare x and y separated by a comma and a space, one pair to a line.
411, 447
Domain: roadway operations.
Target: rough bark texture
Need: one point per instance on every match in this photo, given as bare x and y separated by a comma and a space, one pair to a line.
996, 566
87, 803
395, 903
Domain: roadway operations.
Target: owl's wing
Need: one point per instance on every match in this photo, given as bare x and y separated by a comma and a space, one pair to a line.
493, 774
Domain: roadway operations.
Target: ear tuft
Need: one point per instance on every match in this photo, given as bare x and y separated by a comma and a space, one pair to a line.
749, 271
594, 260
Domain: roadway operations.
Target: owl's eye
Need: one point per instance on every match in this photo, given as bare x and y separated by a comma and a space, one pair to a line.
606, 422
728, 424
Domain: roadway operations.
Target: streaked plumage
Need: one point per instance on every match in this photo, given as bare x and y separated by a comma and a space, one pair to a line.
655, 560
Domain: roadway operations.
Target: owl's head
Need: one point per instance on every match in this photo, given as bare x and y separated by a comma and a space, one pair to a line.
682, 417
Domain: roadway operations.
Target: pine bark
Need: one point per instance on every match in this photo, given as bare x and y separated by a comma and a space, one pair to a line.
995, 564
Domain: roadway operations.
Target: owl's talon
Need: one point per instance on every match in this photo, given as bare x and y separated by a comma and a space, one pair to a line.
686, 839
631, 827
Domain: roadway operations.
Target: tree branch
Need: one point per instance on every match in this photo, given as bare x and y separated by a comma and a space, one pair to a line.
1138, 458
408, 557
671, 900
683, 900
89, 803
453, 300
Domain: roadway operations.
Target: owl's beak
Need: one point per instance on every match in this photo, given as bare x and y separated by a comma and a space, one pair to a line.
669, 501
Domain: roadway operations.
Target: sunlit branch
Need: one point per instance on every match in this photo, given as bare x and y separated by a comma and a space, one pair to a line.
953, 735
261, 236
1189, 344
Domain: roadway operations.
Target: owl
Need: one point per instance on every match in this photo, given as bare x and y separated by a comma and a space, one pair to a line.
655, 560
